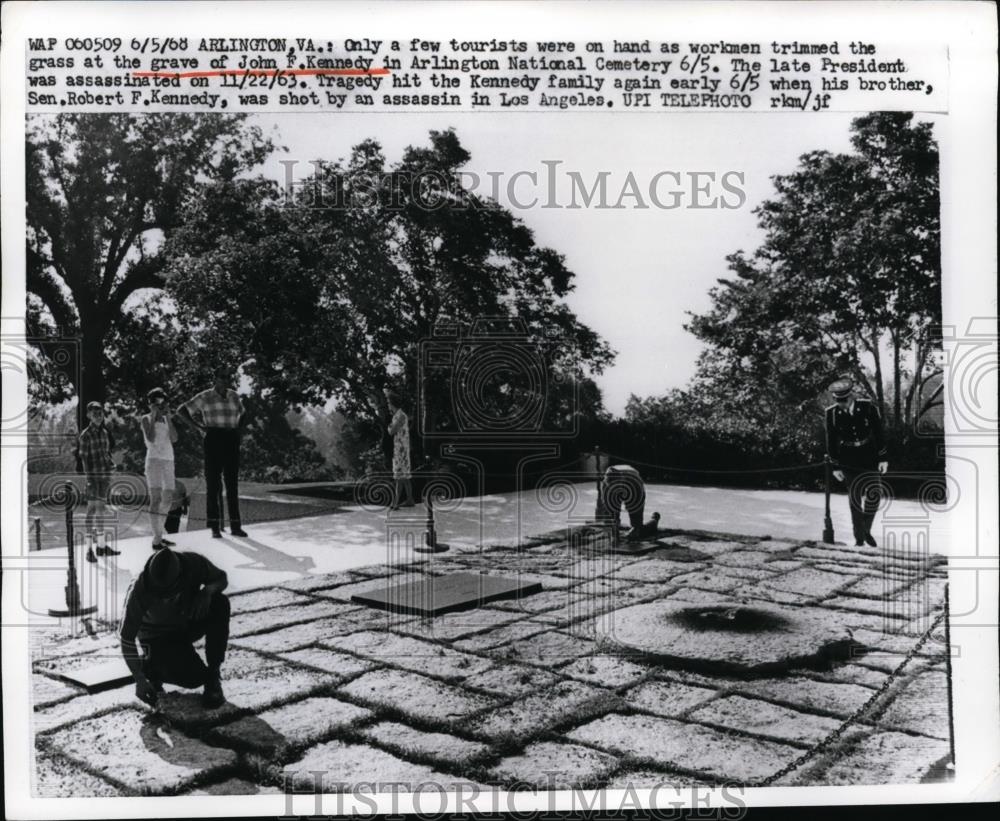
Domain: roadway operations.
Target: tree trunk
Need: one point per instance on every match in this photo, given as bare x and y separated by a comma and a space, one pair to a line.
896, 379
92, 387
879, 390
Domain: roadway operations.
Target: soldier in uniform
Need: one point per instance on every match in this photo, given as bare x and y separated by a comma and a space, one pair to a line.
855, 444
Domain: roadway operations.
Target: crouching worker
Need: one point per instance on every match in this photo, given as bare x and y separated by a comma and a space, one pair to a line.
175, 601
622, 487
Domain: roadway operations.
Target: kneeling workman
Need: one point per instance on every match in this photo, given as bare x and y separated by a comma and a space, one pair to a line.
175, 601
623, 487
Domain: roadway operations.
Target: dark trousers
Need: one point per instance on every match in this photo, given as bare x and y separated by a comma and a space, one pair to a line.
222, 464
864, 491
623, 490
172, 659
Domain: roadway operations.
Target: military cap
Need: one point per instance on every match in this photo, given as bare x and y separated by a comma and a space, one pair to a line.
841, 388
95, 405
156, 392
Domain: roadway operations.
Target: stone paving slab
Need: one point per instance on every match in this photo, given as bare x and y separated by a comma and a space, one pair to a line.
349, 764
922, 707
344, 592
668, 699
415, 696
273, 732
548, 649
754, 559
323, 582
502, 635
535, 603
762, 718
276, 617
303, 635
411, 654
656, 570
125, 748
542, 710
839, 700
84, 706
884, 758
686, 747
341, 665
254, 600
56, 777
46, 691
708, 580
609, 671
877, 587
416, 743
814, 584
251, 692
512, 680
551, 766
453, 626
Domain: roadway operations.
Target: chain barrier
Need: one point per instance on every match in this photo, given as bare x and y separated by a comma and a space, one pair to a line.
857, 715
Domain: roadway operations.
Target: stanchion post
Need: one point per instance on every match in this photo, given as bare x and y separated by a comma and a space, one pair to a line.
827, 521
430, 535
38, 533
598, 507
74, 605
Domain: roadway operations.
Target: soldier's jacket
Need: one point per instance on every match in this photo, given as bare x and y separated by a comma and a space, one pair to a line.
855, 433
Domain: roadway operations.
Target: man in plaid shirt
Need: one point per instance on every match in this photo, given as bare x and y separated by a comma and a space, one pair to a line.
94, 447
218, 413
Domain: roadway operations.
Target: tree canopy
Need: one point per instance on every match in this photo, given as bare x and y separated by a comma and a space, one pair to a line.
847, 278
102, 192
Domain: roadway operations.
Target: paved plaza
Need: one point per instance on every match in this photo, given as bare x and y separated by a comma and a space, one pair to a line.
556, 690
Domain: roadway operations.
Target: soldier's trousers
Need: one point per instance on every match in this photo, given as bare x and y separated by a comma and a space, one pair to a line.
864, 492
172, 659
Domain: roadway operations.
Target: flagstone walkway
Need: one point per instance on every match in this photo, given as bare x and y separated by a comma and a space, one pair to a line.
538, 691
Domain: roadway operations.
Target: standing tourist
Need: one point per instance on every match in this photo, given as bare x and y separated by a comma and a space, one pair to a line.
159, 432
399, 430
218, 412
94, 446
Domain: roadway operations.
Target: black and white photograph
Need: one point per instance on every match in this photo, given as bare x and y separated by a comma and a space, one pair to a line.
605, 415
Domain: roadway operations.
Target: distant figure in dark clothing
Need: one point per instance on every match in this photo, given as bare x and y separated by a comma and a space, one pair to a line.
623, 487
399, 430
855, 444
179, 506
175, 601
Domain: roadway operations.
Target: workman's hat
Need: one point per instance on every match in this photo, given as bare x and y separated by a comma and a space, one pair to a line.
156, 392
163, 571
95, 405
842, 388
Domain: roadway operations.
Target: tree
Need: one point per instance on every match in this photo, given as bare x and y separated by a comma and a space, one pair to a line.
330, 290
849, 268
102, 191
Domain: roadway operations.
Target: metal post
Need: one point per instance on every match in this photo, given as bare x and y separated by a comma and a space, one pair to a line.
74, 605
430, 534
38, 533
827, 521
598, 507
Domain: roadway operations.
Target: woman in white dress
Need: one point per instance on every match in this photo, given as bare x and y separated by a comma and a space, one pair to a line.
159, 432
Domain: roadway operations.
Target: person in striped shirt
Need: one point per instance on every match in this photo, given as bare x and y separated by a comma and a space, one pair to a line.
218, 413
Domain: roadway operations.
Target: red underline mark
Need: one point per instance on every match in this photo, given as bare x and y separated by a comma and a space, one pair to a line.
265, 72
